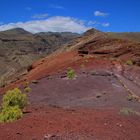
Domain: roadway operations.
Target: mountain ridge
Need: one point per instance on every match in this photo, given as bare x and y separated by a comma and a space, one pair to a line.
93, 43
25, 50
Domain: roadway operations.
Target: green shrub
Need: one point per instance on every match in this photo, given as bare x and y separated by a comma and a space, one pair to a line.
12, 104
14, 98
71, 74
26, 84
129, 62
27, 89
10, 114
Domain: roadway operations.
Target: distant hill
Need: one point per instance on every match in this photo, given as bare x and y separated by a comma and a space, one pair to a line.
19, 48
133, 36
15, 31
82, 52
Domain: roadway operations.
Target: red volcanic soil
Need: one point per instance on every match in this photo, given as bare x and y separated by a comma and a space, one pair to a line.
86, 107
46, 123
46, 66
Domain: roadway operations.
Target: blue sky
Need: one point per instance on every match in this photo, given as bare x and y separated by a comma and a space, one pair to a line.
70, 15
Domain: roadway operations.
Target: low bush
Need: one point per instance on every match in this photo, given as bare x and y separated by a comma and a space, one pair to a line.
26, 84
129, 62
27, 89
14, 98
71, 74
10, 114
12, 104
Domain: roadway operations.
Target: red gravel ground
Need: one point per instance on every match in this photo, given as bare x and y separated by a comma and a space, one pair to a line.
74, 124
86, 108
62, 109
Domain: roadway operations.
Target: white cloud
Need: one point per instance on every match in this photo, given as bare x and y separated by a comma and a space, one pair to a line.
98, 24
40, 16
56, 6
54, 24
100, 14
106, 24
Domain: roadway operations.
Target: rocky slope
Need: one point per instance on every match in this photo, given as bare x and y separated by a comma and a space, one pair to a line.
19, 48
102, 102
93, 43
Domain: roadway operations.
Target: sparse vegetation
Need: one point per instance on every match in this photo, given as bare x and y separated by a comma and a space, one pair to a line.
71, 74
12, 104
14, 98
10, 114
129, 62
26, 84
27, 89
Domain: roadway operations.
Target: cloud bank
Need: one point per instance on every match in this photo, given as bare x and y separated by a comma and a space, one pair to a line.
43, 23
53, 24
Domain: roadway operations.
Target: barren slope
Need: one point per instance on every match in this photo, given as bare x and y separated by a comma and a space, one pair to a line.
93, 105
19, 49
